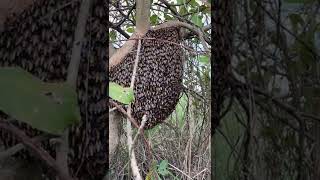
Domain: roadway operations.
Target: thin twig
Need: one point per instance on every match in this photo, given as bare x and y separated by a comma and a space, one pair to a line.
36, 150
143, 122
205, 169
18, 147
110, 110
134, 165
133, 121
180, 171
73, 68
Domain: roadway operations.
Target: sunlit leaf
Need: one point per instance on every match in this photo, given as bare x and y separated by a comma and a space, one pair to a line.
180, 1
204, 59
121, 94
130, 29
194, 3
197, 20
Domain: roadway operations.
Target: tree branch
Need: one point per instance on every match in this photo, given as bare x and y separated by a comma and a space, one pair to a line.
36, 150
73, 68
134, 165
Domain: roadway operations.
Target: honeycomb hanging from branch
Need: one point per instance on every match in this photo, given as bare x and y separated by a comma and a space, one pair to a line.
158, 80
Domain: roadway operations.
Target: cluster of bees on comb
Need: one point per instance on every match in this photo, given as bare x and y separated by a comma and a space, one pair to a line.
40, 41
158, 80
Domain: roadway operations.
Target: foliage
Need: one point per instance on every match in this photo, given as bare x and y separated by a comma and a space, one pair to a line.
49, 107
277, 105
121, 94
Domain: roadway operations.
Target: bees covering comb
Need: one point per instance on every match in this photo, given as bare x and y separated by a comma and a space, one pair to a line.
158, 81
40, 40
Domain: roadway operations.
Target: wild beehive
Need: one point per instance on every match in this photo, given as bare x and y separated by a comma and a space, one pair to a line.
158, 80
40, 41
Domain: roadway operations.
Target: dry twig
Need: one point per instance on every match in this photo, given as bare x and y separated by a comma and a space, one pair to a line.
134, 165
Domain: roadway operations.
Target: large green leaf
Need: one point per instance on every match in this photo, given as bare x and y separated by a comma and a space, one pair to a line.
196, 19
121, 94
50, 107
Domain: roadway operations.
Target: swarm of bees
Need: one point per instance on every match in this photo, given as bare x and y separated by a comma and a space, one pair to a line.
158, 81
40, 40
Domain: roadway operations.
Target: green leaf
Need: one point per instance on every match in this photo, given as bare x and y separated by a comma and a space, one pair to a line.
154, 19
112, 35
204, 59
180, 111
183, 10
296, 19
180, 1
197, 20
50, 107
130, 29
163, 168
194, 3
121, 94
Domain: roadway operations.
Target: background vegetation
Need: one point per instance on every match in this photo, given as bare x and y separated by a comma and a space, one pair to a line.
270, 128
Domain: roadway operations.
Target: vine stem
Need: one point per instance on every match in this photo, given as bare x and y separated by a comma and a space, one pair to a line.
133, 160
